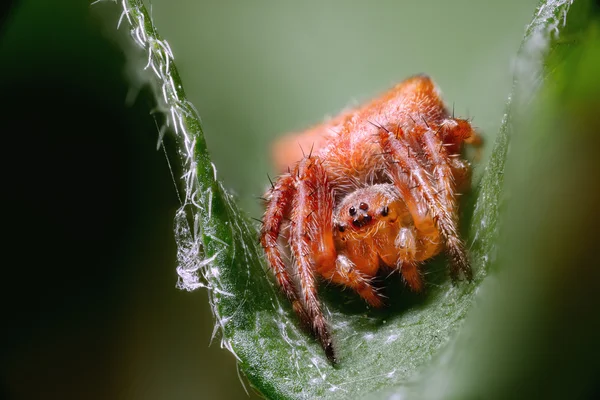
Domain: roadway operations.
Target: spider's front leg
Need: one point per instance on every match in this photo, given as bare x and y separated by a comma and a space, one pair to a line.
311, 240
304, 195
436, 152
406, 259
279, 200
345, 273
432, 205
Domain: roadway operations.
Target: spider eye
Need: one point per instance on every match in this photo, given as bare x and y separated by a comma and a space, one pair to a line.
341, 228
363, 206
352, 211
385, 211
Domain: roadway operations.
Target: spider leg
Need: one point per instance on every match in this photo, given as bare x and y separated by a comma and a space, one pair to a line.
447, 215
461, 170
412, 275
279, 200
310, 231
346, 274
406, 243
457, 131
423, 199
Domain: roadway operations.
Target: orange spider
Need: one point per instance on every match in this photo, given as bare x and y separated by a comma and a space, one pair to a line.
378, 188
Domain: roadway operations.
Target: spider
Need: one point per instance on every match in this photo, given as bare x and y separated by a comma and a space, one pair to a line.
378, 189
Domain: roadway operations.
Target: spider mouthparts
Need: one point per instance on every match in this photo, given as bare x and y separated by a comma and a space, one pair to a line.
361, 221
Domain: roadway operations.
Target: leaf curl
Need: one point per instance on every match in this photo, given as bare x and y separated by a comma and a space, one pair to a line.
411, 347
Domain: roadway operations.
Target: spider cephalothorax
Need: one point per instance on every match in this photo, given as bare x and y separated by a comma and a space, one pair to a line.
377, 189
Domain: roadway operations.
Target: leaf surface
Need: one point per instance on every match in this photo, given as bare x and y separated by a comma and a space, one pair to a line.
410, 347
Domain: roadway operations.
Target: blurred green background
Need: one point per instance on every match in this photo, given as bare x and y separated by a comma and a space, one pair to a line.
90, 302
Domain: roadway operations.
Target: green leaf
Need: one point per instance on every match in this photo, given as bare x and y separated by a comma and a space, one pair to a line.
423, 346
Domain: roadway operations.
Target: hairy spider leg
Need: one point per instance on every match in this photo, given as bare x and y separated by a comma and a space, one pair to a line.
411, 274
407, 259
419, 185
336, 268
456, 131
278, 204
461, 170
448, 218
311, 216
345, 273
